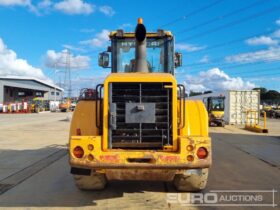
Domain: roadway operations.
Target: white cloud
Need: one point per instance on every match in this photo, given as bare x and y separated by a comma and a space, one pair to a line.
43, 7
22, 3
15, 2
100, 39
74, 7
60, 60
204, 59
216, 80
277, 22
262, 40
189, 47
11, 65
107, 10
91, 81
70, 7
276, 33
271, 54
45, 4
195, 87
73, 48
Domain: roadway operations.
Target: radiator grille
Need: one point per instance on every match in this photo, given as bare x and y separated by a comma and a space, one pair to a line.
141, 135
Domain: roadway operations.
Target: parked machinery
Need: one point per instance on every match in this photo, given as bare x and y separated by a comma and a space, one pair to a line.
136, 127
215, 106
65, 105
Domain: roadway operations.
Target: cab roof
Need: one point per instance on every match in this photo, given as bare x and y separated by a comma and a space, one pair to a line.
122, 34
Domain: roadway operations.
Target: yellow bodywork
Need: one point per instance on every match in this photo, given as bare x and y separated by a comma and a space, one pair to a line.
218, 114
267, 108
148, 35
252, 122
160, 164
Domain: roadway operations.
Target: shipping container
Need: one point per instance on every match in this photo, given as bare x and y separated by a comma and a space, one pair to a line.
242, 103
239, 104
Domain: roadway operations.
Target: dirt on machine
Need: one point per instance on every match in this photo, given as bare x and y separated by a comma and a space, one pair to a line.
137, 124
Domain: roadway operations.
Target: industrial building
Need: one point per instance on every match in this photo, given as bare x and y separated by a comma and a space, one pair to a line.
17, 89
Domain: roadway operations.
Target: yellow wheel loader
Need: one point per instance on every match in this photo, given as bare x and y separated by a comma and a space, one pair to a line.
137, 125
215, 106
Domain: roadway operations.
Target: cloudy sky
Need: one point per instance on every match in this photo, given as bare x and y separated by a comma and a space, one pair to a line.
226, 44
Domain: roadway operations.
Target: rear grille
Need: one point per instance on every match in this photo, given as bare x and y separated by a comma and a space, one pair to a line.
141, 135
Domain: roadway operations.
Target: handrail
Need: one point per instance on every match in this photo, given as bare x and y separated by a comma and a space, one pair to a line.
98, 90
182, 125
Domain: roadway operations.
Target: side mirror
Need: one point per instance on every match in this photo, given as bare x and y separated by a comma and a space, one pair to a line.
178, 59
103, 59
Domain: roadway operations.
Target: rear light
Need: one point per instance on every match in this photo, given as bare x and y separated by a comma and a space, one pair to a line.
190, 148
190, 158
78, 132
78, 152
202, 153
90, 157
90, 147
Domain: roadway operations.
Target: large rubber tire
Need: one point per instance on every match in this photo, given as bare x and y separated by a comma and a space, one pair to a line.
192, 180
95, 181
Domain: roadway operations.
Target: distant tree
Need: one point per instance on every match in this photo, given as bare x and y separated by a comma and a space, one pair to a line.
192, 93
263, 91
271, 95
208, 91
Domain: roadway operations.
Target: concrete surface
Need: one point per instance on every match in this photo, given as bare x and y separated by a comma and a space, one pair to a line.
34, 171
27, 138
273, 126
265, 147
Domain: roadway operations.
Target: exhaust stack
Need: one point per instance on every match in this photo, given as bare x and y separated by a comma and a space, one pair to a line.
141, 64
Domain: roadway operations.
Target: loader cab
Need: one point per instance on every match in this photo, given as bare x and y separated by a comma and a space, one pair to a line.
161, 57
215, 104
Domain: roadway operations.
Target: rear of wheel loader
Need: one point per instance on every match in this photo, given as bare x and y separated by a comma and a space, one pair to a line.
138, 125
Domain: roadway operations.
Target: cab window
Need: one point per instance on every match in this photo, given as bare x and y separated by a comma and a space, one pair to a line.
217, 104
124, 59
